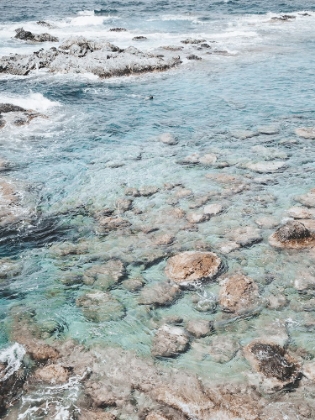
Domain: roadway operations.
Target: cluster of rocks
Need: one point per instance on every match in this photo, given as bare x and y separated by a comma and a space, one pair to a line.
80, 55
29, 36
16, 115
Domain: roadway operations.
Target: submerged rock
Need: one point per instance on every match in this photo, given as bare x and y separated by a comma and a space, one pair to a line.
168, 138
192, 266
245, 236
307, 199
266, 167
238, 293
104, 276
79, 55
169, 341
292, 234
306, 132
199, 327
213, 209
276, 367
29, 36
222, 349
160, 294
100, 307
96, 415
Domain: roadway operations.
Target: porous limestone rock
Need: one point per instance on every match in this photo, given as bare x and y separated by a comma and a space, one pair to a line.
169, 341
160, 294
294, 235
100, 307
238, 293
191, 266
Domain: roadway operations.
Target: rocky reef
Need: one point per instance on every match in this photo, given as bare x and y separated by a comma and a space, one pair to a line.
79, 55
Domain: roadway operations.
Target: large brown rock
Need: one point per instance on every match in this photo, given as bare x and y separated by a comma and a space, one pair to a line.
273, 364
192, 266
238, 293
294, 235
169, 341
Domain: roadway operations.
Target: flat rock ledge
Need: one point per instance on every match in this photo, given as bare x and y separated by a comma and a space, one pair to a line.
292, 235
79, 55
189, 267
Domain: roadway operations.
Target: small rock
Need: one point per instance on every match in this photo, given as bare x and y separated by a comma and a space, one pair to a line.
301, 213
267, 222
208, 159
123, 205
132, 191
160, 294
292, 234
238, 293
139, 38
266, 167
192, 41
148, 191
228, 247
52, 373
306, 132
118, 30
308, 199
222, 349
183, 192
206, 302
104, 276
213, 209
163, 239
100, 307
190, 266
269, 130
169, 341
197, 217
199, 327
133, 284
168, 138
193, 57
246, 236
113, 223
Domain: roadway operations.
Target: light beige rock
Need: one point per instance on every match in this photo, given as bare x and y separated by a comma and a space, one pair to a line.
52, 373
191, 266
238, 293
307, 199
160, 294
301, 213
213, 209
306, 132
222, 349
266, 167
208, 159
197, 217
169, 341
199, 327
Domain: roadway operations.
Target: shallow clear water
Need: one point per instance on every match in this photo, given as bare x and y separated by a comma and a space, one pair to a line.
266, 80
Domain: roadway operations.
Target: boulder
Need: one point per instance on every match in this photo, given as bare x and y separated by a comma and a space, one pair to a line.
199, 327
104, 276
169, 341
159, 294
274, 365
193, 266
100, 307
238, 293
294, 235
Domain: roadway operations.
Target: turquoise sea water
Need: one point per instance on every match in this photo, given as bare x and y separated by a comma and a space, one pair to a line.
100, 137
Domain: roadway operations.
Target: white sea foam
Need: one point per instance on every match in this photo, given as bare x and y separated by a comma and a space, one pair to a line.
35, 101
12, 357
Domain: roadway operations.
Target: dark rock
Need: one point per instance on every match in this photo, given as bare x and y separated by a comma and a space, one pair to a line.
192, 41
4, 108
139, 38
29, 36
118, 30
193, 57
43, 23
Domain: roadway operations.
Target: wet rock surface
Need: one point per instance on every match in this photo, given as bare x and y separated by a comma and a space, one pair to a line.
82, 56
29, 36
238, 293
189, 267
293, 234
169, 342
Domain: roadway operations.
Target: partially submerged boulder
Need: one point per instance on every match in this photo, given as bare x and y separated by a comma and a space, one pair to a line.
100, 307
238, 293
193, 266
294, 235
104, 276
160, 294
169, 341
275, 366
29, 36
306, 132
